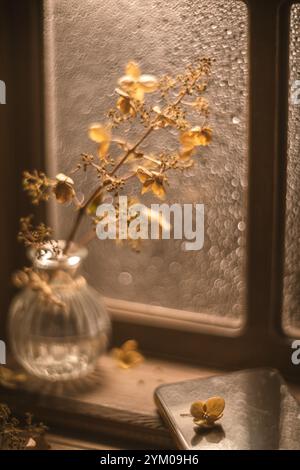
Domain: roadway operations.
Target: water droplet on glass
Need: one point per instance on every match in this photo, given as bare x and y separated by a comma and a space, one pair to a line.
241, 226
125, 278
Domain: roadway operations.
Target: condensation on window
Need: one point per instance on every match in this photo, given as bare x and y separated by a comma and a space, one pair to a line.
291, 301
87, 45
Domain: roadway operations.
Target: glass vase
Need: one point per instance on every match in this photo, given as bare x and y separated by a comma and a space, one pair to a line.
59, 336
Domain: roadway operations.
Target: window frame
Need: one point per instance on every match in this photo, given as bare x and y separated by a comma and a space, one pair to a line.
260, 339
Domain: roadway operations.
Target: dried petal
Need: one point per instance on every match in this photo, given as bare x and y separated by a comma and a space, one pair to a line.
149, 83
103, 149
158, 189
64, 178
204, 137
198, 409
127, 355
137, 93
186, 153
64, 192
215, 407
143, 174
133, 70
102, 135
132, 359
126, 82
99, 133
125, 105
196, 136
130, 345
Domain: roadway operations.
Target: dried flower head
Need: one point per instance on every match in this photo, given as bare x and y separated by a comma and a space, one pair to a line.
127, 355
136, 84
33, 236
206, 413
17, 436
37, 185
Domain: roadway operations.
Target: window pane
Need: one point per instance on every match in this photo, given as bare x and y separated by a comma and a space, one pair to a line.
291, 305
87, 45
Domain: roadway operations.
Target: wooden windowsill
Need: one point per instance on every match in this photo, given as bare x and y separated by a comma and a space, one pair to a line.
113, 409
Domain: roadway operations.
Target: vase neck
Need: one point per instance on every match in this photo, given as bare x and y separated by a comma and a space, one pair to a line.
51, 257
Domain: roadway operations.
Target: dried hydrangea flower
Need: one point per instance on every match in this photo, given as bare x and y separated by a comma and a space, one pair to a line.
152, 181
64, 188
206, 413
101, 135
33, 235
127, 355
131, 107
136, 84
37, 185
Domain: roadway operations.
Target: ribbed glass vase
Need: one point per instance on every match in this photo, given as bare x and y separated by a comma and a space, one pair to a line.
62, 339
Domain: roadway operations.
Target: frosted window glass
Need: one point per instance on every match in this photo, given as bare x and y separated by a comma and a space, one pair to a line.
291, 304
87, 45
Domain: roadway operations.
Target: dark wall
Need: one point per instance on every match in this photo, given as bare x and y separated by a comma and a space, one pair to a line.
21, 127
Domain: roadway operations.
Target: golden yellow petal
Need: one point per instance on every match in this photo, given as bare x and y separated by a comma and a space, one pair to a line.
130, 345
147, 186
138, 93
215, 406
195, 130
143, 174
133, 70
186, 153
158, 189
204, 136
149, 83
197, 409
117, 353
64, 178
187, 139
123, 104
103, 149
122, 93
127, 82
133, 358
99, 133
